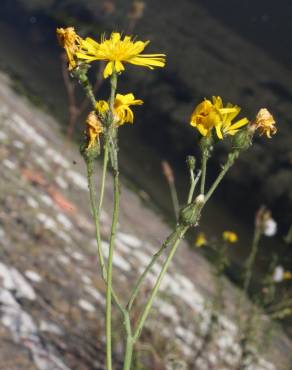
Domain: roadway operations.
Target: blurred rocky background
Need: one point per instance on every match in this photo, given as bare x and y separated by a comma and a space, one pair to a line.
239, 50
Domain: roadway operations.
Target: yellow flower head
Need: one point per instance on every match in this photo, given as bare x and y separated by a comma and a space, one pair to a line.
212, 114
230, 237
71, 42
116, 51
201, 240
94, 129
122, 111
265, 123
287, 275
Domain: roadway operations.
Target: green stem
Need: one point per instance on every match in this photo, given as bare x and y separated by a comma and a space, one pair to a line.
92, 195
230, 161
87, 88
154, 258
181, 231
194, 181
251, 259
103, 177
114, 161
205, 155
129, 344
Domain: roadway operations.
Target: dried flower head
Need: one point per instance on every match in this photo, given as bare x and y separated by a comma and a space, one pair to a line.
265, 123
94, 129
167, 172
137, 10
71, 42
265, 223
116, 51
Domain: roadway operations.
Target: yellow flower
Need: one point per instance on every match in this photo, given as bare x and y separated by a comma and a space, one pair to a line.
94, 129
230, 236
122, 111
287, 275
201, 240
208, 115
116, 51
71, 42
265, 123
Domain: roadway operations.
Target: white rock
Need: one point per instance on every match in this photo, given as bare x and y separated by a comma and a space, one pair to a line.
78, 179
61, 182
95, 294
32, 202
9, 164
49, 327
47, 200
120, 262
23, 288
3, 136
86, 306
33, 276
47, 221
64, 221
21, 126
42, 163
57, 157
129, 239
18, 144
63, 259
77, 256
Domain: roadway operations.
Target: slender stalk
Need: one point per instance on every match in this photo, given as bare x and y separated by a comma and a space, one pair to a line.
231, 158
103, 177
251, 259
94, 209
194, 181
92, 196
182, 230
205, 155
110, 270
129, 344
154, 258
114, 161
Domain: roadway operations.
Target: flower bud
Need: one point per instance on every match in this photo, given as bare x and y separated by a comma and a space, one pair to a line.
191, 162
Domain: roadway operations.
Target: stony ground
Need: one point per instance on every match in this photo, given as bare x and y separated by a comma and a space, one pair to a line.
51, 296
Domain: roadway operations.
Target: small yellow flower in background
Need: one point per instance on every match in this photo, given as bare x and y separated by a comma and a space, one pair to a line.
94, 129
230, 237
122, 111
265, 123
201, 240
116, 51
71, 42
212, 114
287, 275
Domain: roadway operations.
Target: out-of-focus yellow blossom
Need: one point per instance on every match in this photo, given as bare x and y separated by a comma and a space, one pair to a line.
287, 275
116, 51
71, 42
94, 129
201, 240
230, 236
122, 111
212, 114
265, 123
